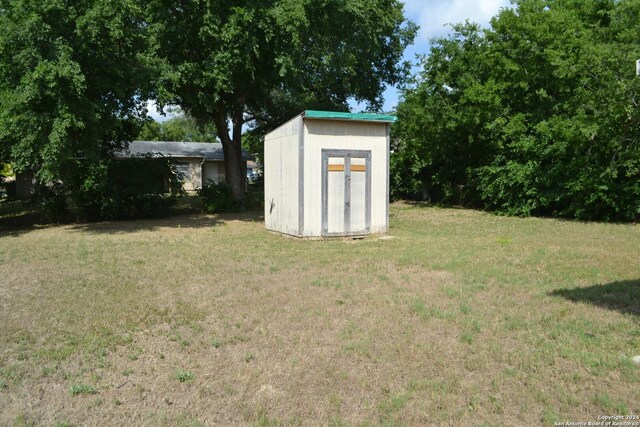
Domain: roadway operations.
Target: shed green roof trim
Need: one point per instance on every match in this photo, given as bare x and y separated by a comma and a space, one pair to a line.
369, 117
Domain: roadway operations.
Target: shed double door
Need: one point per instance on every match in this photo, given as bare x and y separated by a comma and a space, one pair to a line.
346, 192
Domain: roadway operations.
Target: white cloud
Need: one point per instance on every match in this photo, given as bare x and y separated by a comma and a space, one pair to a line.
433, 15
155, 114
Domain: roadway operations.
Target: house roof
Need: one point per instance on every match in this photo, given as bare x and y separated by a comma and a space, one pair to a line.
360, 117
206, 150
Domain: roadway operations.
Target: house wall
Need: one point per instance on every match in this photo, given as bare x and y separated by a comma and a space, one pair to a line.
198, 173
345, 135
191, 168
213, 170
282, 176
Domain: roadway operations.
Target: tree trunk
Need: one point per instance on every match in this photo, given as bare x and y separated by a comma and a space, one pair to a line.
232, 149
233, 168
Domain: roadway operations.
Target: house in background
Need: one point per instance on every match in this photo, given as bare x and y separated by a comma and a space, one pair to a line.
196, 161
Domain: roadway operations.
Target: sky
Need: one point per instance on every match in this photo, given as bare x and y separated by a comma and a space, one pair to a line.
432, 16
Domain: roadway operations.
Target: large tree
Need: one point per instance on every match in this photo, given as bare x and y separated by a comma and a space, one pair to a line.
178, 128
255, 63
537, 115
72, 80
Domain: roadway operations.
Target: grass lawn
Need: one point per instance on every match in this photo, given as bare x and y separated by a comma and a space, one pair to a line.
460, 317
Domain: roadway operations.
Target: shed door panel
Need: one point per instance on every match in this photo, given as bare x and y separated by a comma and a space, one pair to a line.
336, 194
346, 192
358, 191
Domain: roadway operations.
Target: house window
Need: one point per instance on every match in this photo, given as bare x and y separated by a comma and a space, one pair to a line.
184, 170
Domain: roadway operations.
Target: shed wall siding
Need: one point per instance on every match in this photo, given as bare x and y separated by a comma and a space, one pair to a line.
281, 177
343, 135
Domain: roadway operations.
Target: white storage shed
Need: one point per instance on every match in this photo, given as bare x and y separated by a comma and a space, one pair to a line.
327, 174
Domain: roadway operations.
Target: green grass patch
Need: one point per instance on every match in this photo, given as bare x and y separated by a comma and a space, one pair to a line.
77, 389
468, 318
183, 375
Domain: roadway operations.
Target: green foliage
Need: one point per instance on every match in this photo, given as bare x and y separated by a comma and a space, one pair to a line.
260, 63
112, 189
72, 84
216, 198
52, 202
127, 188
535, 116
180, 128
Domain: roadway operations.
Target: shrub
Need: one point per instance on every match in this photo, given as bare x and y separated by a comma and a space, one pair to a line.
254, 199
11, 189
127, 188
52, 201
216, 198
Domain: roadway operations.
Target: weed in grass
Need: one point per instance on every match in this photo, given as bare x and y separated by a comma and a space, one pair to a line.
605, 402
511, 324
77, 389
465, 309
12, 374
63, 424
334, 401
474, 403
216, 343
183, 375
237, 339
97, 402
248, 357
383, 278
550, 417
117, 402
229, 390
182, 420
496, 405
101, 355
418, 307
263, 419
337, 421
390, 406
46, 371
127, 372
135, 353
452, 292
22, 421
476, 326
466, 338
